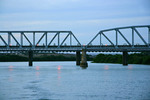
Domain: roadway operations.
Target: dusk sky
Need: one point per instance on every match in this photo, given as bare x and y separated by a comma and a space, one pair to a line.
85, 18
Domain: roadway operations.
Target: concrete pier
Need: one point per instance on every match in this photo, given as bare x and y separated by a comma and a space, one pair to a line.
125, 58
78, 58
30, 57
83, 63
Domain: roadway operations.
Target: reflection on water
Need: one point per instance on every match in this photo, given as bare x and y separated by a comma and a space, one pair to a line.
10, 78
59, 67
10, 68
59, 71
85, 67
66, 81
37, 71
106, 67
130, 67
37, 67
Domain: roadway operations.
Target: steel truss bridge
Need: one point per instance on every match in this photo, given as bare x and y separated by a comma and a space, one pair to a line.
66, 41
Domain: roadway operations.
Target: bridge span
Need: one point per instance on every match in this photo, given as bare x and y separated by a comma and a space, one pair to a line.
65, 41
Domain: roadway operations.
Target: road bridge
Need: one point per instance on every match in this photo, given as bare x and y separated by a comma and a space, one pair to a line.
109, 40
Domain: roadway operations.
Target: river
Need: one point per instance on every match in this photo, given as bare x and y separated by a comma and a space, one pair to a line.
66, 81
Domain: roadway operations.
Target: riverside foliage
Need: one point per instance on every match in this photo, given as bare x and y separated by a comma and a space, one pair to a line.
136, 58
56, 57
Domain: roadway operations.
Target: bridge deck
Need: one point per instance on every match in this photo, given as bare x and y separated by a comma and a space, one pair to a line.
94, 48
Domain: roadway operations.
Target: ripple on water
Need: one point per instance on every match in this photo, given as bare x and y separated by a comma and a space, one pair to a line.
97, 82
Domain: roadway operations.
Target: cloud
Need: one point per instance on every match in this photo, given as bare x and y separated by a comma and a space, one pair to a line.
79, 27
83, 17
54, 24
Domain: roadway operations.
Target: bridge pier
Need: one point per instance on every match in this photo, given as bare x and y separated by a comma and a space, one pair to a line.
125, 58
30, 57
83, 63
78, 58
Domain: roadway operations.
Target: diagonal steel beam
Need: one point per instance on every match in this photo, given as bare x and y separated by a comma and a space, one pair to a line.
9, 39
3, 40
132, 37
33, 39
116, 38
40, 38
140, 36
107, 38
70, 39
75, 38
52, 39
64, 40
93, 39
27, 39
58, 38
123, 36
45, 39
100, 39
15, 39
21, 39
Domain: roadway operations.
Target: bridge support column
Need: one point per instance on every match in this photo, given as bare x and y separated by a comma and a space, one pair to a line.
125, 58
78, 58
30, 57
83, 63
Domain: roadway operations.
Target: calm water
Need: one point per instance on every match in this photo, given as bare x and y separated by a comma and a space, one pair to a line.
66, 81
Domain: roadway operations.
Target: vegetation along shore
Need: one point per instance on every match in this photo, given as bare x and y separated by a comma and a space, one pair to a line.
136, 58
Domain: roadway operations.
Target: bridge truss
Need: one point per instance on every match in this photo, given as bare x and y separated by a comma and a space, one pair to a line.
65, 41
38, 41
14, 42
128, 45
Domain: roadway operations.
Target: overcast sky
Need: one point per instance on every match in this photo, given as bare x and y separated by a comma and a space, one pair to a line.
85, 18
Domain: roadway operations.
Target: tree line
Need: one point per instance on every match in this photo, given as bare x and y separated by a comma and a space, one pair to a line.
59, 57
136, 58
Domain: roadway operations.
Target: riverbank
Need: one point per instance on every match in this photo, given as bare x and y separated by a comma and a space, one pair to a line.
40, 57
136, 58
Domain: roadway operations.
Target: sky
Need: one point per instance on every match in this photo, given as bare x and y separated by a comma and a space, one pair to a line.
85, 18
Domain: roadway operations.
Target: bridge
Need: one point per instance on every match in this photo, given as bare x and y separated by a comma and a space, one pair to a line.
121, 39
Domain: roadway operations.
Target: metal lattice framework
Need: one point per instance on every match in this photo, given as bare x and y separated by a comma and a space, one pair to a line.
118, 32
73, 44
34, 44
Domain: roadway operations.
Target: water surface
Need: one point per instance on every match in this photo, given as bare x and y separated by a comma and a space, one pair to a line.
66, 81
